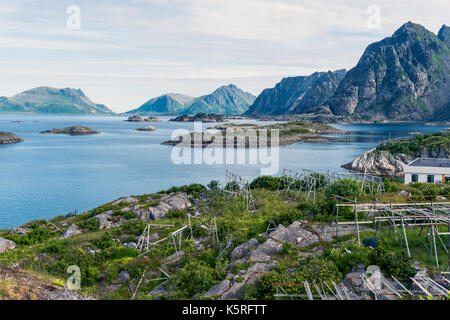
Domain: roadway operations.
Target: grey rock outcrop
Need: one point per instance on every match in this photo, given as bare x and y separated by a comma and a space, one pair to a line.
381, 163
19, 230
108, 221
124, 276
243, 250
70, 232
6, 244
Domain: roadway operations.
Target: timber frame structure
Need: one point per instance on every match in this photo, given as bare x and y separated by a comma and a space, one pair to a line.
237, 187
310, 182
425, 219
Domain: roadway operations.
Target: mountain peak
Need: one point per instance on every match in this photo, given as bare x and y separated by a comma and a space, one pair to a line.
403, 77
444, 34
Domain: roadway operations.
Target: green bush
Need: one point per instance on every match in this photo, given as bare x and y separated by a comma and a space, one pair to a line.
55, 247
195, 277
35, 236
213, 185
265, 182
105, 241
194, 189
93, 224
176, 214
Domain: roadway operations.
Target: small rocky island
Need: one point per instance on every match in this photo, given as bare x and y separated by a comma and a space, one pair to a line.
149, 128
137, 118
73, 131
152, 119
200, 117
289, 133
8, 138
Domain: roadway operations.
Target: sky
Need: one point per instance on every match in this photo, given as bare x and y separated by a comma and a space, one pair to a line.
121, 53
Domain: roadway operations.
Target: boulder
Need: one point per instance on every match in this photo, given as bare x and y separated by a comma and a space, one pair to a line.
234, 292
131, 245
259, 257
243, 250
130, 200
218, 289
159, 291
70, 232
6, 244
295, 234
178, 203
19, 230
269, 247
124, 276
160, 211
174, 258
108, 221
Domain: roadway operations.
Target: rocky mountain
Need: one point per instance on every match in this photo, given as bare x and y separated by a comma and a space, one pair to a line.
298, 95
225, 100
171, 103
51, 100
403, 77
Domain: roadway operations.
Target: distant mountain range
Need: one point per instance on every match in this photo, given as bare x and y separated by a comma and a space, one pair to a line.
51, 100
403, 77
229, 100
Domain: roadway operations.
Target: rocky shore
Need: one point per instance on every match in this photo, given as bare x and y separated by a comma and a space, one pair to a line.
8, 138
200, 117
381, 163
73, 131
140, 119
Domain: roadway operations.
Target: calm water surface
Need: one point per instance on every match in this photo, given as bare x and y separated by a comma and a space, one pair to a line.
49, 175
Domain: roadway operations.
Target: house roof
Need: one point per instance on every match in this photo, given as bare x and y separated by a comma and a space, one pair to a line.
434, 163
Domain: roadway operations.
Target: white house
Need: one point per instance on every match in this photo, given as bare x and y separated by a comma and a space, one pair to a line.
428, 170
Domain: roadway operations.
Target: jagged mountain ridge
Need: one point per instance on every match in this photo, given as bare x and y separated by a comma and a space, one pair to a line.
296, 95
402, 77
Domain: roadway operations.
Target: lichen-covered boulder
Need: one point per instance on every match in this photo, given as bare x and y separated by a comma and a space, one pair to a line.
243, 250
6, 244
70, 232
268, 248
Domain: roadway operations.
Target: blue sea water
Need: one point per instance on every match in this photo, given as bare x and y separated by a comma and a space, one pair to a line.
49, 175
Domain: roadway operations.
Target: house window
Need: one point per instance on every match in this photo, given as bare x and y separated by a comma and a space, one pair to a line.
447, 179
430, 178
414, 177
